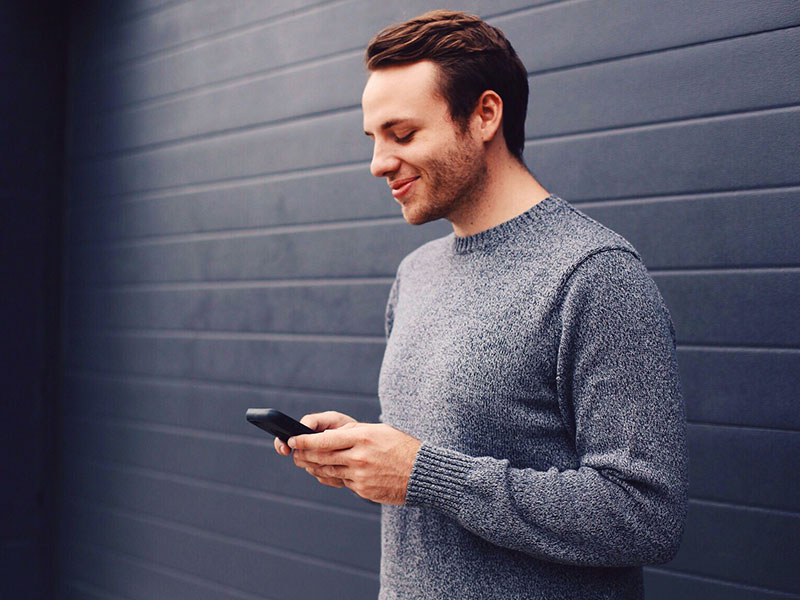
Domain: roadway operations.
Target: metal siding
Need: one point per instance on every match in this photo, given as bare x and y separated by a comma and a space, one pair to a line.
228, 249
244, 307
263, 518
739, 545
745, 151
660, 585
752, 228
269, 201
240, 460
741, 386
736, 307
238, 564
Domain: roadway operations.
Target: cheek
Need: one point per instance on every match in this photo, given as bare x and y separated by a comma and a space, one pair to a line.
431, 157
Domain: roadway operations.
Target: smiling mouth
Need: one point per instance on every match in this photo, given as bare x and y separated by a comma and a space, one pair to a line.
401, 187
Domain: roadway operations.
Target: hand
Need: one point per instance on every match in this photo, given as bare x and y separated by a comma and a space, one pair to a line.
373, 460
318, 422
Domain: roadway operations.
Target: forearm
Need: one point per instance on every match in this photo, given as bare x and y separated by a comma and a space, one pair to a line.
588, 516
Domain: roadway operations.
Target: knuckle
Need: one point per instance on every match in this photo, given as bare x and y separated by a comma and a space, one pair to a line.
309, 420
359, 459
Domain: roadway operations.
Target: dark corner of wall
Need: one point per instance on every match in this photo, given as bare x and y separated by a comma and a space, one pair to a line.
33, 51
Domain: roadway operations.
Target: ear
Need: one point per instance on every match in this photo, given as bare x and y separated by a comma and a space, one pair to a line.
488, 114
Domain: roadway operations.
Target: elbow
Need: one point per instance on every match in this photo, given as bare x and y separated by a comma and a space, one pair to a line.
660, 531
663, 547
656, 516
647, 525
670, 537
639, 534
643, 541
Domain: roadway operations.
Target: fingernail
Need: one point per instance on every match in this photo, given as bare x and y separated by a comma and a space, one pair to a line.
291, 442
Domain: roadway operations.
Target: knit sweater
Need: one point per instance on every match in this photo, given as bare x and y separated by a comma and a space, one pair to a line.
536, 363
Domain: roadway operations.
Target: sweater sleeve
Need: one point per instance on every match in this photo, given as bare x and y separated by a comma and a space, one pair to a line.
390, 304
619, 395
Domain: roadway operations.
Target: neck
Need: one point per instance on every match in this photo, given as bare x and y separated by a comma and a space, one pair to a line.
509, 191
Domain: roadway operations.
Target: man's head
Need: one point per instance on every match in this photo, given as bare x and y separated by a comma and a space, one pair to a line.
436, 168
471, 57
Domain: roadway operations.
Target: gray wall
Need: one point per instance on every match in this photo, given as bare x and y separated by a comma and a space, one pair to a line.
227, 248
32, 87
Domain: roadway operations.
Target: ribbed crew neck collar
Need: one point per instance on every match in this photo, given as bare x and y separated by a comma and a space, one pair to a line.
493, 236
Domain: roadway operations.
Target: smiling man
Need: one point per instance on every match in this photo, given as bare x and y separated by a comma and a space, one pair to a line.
532, 442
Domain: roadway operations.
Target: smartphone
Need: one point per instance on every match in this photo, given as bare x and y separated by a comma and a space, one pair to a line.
275, 422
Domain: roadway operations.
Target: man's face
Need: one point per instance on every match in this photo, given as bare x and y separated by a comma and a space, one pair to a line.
435, 169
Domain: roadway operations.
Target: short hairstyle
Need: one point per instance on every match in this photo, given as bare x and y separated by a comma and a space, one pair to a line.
472, 57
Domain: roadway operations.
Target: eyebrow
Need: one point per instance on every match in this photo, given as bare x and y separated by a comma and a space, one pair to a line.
389, 124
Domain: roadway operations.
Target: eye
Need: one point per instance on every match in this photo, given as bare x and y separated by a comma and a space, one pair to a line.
406, 138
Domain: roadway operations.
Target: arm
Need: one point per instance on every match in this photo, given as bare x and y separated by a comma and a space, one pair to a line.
620, 398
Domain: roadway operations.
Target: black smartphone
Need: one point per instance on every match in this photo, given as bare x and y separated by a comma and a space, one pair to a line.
275, 422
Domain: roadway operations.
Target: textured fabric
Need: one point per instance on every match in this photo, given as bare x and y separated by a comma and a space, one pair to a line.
536, 363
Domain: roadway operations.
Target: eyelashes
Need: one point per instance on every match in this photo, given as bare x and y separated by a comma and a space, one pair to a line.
405, 138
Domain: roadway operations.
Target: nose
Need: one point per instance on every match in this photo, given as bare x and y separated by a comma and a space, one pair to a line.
384, 162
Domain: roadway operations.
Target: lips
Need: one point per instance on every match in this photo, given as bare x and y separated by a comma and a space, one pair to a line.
400, 187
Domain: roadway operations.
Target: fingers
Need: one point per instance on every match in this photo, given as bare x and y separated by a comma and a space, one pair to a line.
325, 474
323, 421
327, 441
312, 459
333, 482
281, 448
337, 472
313, 421
319, 422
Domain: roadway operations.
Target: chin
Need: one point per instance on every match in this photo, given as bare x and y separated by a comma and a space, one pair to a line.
419, 215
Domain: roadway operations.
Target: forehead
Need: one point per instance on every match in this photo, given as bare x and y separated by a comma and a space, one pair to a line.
402, 92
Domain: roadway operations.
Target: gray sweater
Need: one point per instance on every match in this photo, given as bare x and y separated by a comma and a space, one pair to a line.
536, 363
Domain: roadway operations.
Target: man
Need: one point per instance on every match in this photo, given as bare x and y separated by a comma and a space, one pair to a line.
533, 435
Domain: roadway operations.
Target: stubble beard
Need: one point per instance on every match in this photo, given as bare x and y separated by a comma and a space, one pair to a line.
454, 182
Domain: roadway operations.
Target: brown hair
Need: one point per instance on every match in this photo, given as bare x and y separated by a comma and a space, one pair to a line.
472, 57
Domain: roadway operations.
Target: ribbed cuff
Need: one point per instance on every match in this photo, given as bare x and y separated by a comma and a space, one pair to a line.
437, 479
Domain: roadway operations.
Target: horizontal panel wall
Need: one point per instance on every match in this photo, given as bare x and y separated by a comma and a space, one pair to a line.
227, 249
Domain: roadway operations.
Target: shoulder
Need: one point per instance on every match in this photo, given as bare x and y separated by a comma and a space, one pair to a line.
577, 236
597, 256
612, 289
617, 269
558, 241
